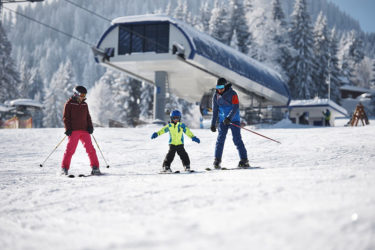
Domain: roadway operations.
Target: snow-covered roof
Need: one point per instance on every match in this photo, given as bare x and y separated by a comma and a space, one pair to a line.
356, 89
316, 102
25, 102
208, 47
4, 108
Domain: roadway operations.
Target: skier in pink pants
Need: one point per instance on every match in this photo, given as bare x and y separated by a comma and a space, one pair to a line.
78, 127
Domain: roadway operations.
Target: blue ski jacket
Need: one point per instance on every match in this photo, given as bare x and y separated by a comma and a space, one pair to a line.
225, 105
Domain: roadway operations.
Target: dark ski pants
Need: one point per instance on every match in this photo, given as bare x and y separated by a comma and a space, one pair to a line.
236, 133
172, 152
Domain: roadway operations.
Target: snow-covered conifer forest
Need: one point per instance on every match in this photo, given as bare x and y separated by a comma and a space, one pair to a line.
38, 58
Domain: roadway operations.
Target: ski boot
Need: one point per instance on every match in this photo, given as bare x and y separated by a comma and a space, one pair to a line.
244, 163
95, 171
64, 171
166, 169
187, 168
217, 164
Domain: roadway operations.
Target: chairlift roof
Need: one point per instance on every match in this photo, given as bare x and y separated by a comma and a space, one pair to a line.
219, 59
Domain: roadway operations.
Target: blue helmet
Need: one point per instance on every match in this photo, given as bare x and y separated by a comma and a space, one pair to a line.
175, 114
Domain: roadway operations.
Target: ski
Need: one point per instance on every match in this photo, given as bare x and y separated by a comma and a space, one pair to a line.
211, 169
178, 172
88, 175
236, 168
80, 175
84, 175
165, 172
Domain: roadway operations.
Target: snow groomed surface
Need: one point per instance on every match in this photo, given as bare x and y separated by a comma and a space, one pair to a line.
314, 191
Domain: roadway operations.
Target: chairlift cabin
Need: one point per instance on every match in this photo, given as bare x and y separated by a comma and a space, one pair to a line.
179, 59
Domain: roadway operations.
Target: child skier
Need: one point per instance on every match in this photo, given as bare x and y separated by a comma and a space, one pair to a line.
176, 141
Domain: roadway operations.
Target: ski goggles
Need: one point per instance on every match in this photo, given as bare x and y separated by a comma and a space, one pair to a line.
175, 118
220, 86
79, 94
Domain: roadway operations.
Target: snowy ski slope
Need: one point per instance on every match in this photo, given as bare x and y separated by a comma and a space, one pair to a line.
314, 191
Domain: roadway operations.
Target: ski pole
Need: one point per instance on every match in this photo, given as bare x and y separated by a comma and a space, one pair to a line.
41, 165
255, 133
100, 150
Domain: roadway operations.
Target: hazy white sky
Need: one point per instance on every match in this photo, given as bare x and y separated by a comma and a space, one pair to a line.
361, 10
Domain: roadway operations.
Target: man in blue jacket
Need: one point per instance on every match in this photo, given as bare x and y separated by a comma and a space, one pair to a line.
226, 107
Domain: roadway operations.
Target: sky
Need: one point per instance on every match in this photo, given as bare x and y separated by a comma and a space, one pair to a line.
361, 10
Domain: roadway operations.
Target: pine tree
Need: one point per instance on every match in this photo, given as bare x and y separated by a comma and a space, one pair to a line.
147, 99
300, 83
373, 74
334, 70
168, 9
238, 24
352, 54
25, 80
278, 13
356, 49
36, 86
61, 87
181, 10
133, 102
322, 56
220, 24
248, 6
119, 96
9, 77
281, 39
205, 15
101, 106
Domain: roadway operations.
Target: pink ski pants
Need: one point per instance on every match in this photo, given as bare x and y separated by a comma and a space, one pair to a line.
85, 138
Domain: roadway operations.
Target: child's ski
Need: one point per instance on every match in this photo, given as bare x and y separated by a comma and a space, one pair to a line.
178, 172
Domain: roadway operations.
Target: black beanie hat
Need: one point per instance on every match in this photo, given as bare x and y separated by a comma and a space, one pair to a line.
221, 81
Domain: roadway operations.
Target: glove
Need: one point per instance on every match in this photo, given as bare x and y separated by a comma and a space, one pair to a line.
196, 139
226, 121
68, 132
154, 135
213, 128
90, 130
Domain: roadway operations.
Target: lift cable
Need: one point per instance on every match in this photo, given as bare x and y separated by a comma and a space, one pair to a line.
50, 27
122, 27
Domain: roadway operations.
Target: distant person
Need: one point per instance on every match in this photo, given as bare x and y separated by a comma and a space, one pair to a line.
304, 118
176, 131
226, 108
327, 118
78, 127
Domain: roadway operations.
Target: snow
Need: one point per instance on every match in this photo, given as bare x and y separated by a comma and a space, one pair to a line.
356, 89
25, 102
4, 108
313, 191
